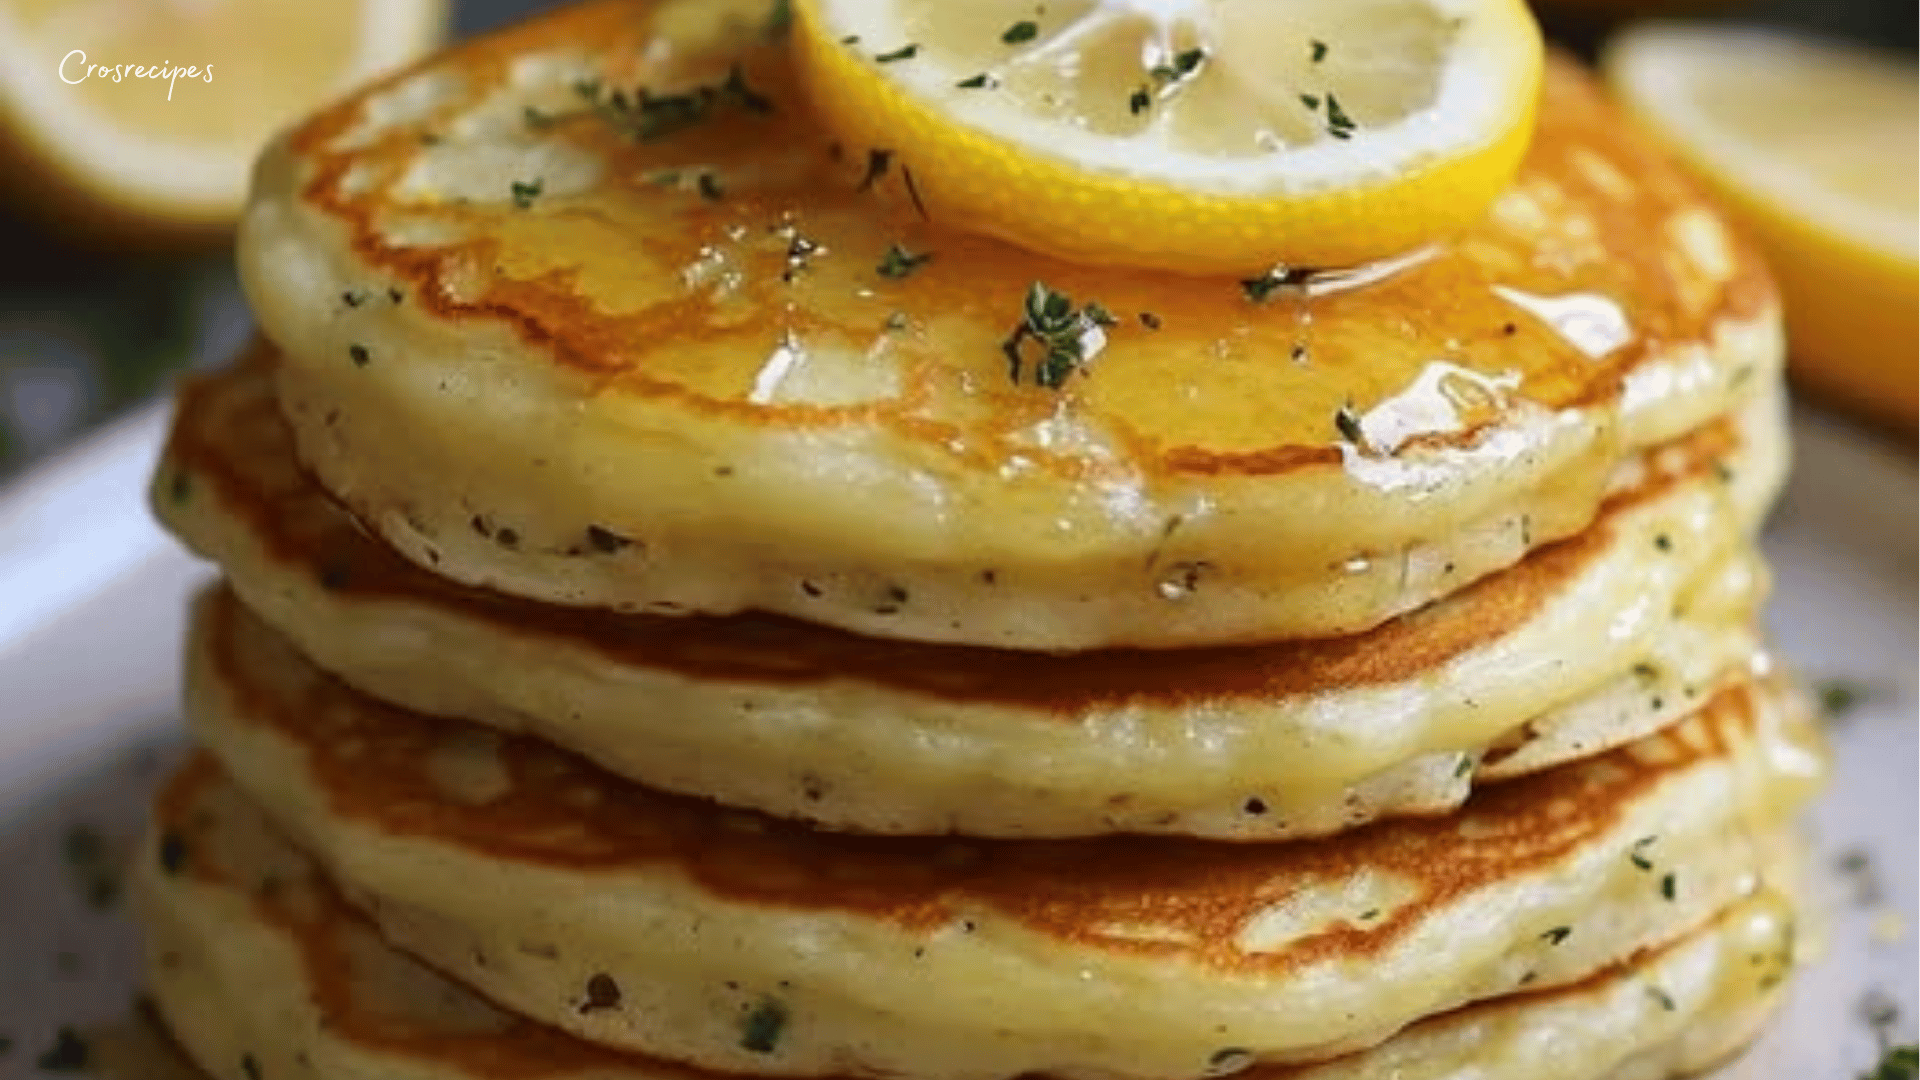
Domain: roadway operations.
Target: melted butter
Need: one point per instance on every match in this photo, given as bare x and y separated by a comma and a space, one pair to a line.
666, 293
1588, 321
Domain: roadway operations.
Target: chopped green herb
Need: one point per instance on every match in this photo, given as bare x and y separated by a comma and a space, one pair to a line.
645, 115
982, 81
1663, 542
904, 52
536, 119
899, 263
709, 187
1557, 935
1099, 314
1465, 764
1261, 289
1310, 101
1319, 50
67, 1054
850, 39
353, 299
525, 192
878, 162
1184, 64
760, 1033
1665, 999
1637, 854
779, 18
359, 355
1062, 331
1022, 31
1669, 886
913, 193
1230, 1060
1838, 697
1896, 1063
1140, 102
1347, 422
1339, 124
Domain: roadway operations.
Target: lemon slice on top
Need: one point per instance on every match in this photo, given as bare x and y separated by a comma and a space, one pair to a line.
137, 121
1816, 147
1189, 135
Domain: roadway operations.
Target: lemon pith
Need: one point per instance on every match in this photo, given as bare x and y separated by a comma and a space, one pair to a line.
1093, 182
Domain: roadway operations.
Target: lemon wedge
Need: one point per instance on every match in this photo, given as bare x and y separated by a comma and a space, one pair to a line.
133, 119
1815, 146
1189, 135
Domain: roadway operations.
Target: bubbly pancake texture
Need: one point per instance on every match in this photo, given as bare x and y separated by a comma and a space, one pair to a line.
253, 956
607, 351
1584, 645
546, 884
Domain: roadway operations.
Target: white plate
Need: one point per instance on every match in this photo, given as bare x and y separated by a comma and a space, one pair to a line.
90, 621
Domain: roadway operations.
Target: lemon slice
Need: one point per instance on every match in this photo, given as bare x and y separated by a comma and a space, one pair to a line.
1814, 146
1189, 135
129, 154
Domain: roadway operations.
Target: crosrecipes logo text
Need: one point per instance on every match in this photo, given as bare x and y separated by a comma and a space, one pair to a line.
75, 69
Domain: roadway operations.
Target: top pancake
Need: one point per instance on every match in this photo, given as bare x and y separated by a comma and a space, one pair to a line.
538, 351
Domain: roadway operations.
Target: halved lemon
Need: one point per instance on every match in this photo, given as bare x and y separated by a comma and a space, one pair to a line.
1816, 147
1188, 135
139, 119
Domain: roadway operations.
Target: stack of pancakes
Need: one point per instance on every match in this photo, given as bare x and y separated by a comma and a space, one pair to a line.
668, 630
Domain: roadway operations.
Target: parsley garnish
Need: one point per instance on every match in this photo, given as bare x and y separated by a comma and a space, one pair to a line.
1184, 64
1140, 102
1637, 854
1896, 1063
1669, 886
780, 18
1557, 935
645, 115
898, 262
878, 162
761, 1031
1665, 999
1024, 30
1339, 124
1066, 336
1310, 101
359, 355
982, 81
709, 187
1261, 289
1839, 697
525, 192
1319, 50
904, 52
1347, 422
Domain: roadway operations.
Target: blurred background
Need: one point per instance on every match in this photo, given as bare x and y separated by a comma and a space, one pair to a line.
117, 274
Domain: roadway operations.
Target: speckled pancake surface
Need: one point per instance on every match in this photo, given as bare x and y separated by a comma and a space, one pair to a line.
543, 882
1585, 645
254, 957
542, 339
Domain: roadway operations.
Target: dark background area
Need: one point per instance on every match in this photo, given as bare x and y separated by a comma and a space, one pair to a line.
85, 334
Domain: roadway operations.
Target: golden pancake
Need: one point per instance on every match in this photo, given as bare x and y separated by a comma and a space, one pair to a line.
1585, 645
654, 923
254, 957
589, 311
